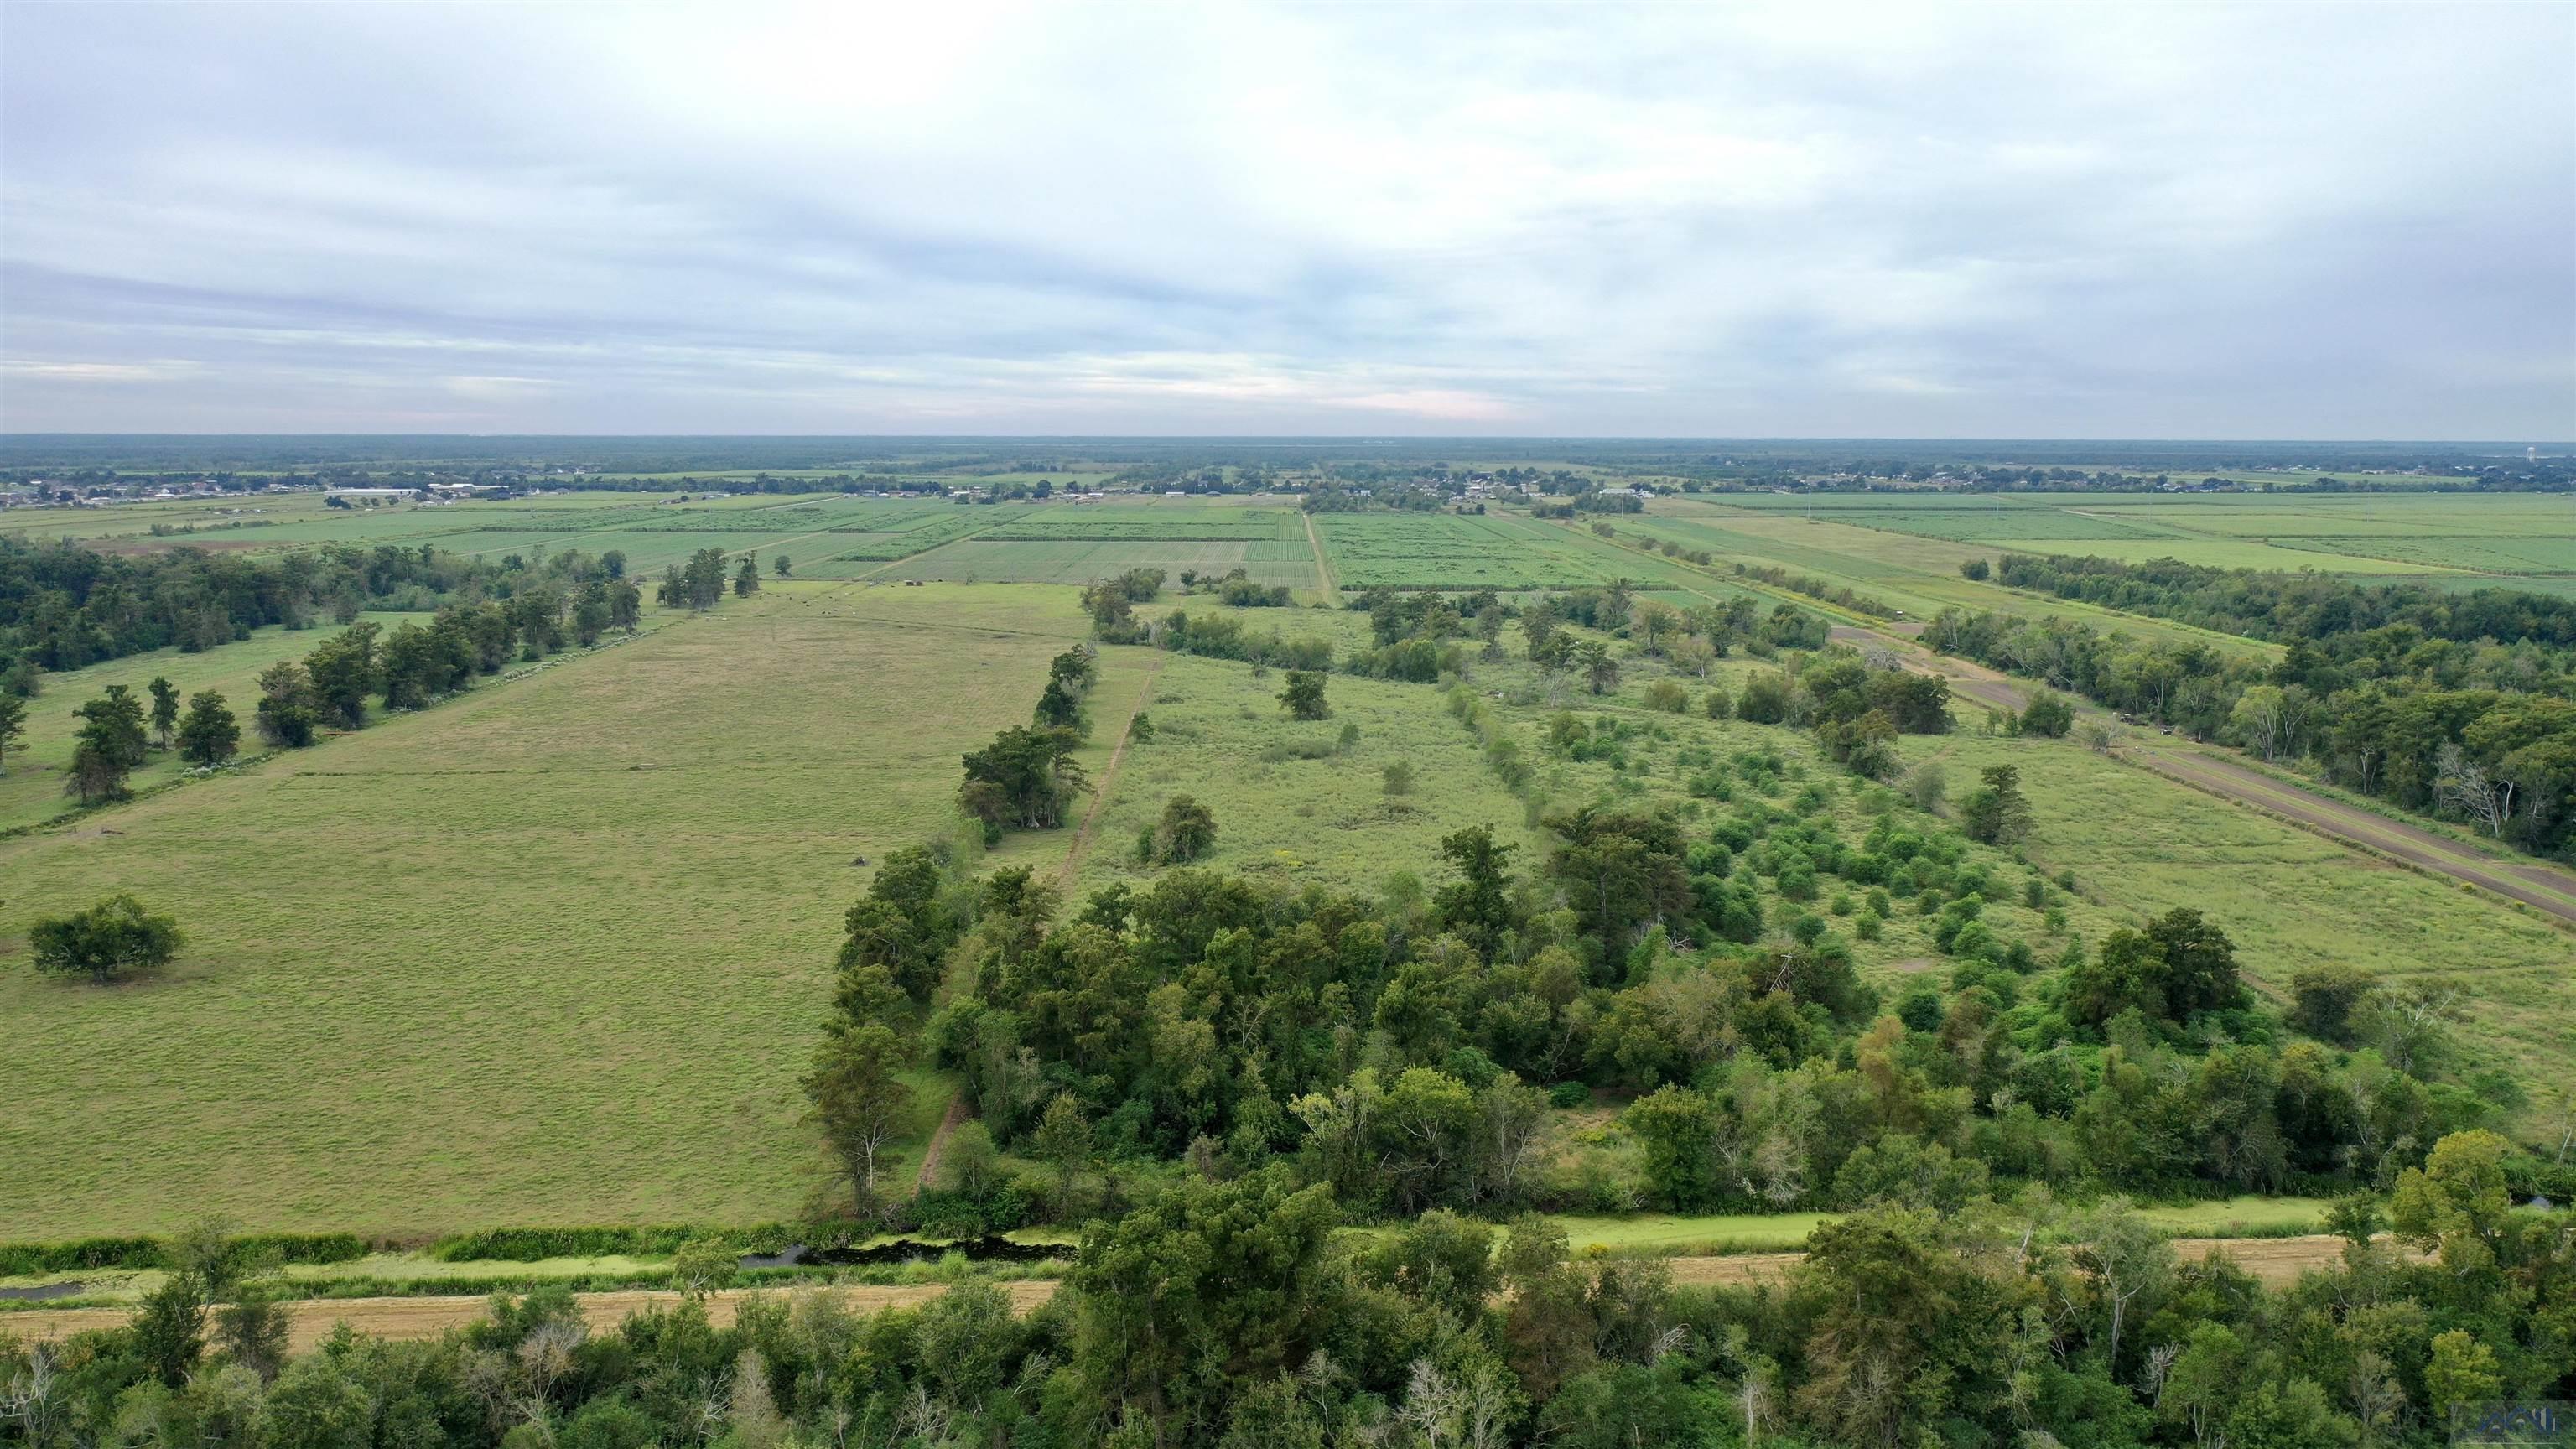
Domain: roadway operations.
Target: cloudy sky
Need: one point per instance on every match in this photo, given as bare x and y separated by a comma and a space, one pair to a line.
2285, 220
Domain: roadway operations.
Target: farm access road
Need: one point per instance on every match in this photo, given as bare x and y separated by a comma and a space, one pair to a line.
2275, 1261
2546, 888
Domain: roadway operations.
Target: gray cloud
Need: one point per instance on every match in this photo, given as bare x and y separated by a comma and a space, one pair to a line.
2272, 221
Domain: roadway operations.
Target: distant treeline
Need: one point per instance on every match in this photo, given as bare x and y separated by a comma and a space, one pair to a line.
63, 606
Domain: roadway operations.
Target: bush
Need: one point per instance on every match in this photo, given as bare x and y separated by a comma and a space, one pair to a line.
110, 938
1668, 696
1186, 832
1569, 1094
1399, 778
25, 1259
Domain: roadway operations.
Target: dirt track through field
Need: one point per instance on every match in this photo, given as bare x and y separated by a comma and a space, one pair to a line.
2275, 1261
311, 1320
1108, 777
2546, 888
1323, 570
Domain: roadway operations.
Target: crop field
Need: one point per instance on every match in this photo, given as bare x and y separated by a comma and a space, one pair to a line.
1916, 575
552, 952
31, 787
1444, 551
2499, 540
1079, 561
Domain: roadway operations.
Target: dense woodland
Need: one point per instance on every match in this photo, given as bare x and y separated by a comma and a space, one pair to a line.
2460, 705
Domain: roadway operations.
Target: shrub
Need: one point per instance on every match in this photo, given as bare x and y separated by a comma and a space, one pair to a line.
1668, 696
110, 938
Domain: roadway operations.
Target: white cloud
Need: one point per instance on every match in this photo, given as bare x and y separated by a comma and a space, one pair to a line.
1987, 220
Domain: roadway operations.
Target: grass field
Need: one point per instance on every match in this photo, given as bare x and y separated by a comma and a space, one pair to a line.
32, 788
553, 952
2288, 898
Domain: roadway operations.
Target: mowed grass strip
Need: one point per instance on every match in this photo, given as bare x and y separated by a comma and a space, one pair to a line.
554, 953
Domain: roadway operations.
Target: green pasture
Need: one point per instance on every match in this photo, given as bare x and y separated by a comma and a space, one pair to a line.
2290, 899
553, 952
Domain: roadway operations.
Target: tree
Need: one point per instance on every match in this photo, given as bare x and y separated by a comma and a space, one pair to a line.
1765, 700
778, 565
1621, 872
114, 936
1477, 907
1600, 671
625, 606
13, 721
2463, 1371
2049, 715
1975, 570
1674, 1127
1063, 1142
589, 614
1209, 1288
1995, 813
108, 746
1303, 697
209, 735
165, 709
860, 1101
288, 712
2180, 966
344, 671
1022, 778
701, 581
746, 580
1186, 831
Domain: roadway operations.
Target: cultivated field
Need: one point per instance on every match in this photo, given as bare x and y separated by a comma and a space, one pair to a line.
2465, 540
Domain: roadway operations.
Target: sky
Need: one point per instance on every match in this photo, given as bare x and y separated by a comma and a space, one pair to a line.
2288, 220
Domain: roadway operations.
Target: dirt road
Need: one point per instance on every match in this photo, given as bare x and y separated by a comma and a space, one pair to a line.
309, 1321
2546, 888
2273, 1260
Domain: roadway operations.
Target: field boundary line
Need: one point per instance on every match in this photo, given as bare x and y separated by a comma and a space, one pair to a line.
1323, 568
1108, 778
